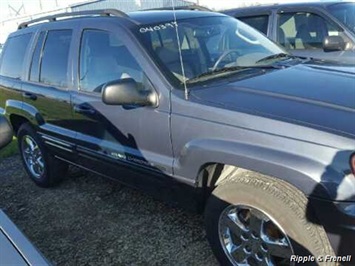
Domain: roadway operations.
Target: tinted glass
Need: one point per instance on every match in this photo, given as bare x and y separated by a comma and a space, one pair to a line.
258, 22
34, 75
103, 58
55, 56
14, 56
345, 12
305, 31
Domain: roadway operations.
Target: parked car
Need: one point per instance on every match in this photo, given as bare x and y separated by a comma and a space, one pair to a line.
5, 132
200, 100
324, 30
15, 247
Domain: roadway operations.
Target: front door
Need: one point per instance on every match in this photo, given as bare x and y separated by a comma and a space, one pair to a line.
110, 136
302, 33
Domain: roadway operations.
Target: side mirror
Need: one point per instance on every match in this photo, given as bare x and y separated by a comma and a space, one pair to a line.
5, 132
126, 92
333, 43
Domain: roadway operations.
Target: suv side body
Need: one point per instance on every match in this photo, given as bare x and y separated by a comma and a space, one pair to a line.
290, 25
229, 124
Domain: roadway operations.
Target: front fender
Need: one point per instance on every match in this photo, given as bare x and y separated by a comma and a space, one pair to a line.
319, 177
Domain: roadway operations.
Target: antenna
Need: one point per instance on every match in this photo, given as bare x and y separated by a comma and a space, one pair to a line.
180, 53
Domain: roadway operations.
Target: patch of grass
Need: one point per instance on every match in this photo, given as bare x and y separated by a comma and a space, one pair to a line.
9, 150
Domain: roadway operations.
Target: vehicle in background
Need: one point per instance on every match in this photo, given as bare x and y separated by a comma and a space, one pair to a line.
323, 30
5, 132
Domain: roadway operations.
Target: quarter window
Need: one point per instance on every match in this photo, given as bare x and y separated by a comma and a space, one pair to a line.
258, 22
54, 65
104, 58
14, 56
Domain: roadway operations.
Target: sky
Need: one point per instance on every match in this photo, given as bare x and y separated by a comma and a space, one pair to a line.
10, 6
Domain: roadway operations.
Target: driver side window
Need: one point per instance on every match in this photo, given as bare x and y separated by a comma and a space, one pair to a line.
305, 31
104, 58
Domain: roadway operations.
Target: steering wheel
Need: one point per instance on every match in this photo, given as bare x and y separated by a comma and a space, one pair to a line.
222, 56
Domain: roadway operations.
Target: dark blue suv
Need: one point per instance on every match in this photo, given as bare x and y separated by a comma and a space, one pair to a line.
204, 103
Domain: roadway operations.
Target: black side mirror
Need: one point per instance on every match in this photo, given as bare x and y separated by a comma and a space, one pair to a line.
333, 43
126, 92
5, 132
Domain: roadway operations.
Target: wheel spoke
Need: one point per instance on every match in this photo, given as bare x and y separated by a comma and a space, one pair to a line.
40, 162
240, 255
30, 144
255, 223
236, 227
279, 249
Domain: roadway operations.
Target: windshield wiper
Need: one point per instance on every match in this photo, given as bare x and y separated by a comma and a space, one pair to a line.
233, 69
275, 56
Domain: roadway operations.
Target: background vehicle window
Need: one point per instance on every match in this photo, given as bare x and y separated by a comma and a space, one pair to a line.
305, 30
54, 65
34, 75
14, 56
258, 22
104, 58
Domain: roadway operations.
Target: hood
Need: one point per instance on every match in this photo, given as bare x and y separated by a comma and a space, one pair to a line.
314, 94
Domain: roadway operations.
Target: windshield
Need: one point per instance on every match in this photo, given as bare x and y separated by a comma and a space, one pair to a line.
207, 44
344, 13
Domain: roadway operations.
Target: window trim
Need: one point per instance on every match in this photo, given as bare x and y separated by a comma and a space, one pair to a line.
40, 55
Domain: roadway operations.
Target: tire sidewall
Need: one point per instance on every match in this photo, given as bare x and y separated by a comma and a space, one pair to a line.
27, 130
286, 207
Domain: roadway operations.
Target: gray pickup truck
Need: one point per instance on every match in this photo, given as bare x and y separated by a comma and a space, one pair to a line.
264, 139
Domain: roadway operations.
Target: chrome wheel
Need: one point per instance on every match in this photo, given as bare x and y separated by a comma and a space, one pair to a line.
32, 156
250, 237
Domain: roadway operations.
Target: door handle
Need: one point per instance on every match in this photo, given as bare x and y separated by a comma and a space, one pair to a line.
83, 109
30, 96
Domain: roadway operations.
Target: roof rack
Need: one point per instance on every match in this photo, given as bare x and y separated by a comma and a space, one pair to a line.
100, 12
189, 7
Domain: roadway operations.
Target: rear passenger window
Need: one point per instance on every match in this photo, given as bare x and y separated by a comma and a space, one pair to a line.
14, 56
54, 65
34, 75
258, 22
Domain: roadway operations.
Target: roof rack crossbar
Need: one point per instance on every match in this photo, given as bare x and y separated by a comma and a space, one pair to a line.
101, 12
189, 7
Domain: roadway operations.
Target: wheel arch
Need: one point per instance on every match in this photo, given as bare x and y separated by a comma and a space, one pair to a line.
19, 113
213, 160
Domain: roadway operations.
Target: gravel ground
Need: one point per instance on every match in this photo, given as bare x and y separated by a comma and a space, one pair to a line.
94, 221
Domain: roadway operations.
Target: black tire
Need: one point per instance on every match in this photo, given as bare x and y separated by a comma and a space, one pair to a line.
279, 200
54, 170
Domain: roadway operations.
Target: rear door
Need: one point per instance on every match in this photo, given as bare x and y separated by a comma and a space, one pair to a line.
111, 136
46, 94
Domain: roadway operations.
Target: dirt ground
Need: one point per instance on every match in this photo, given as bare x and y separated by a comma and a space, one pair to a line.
95, 221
